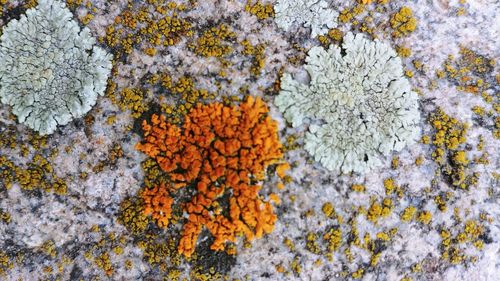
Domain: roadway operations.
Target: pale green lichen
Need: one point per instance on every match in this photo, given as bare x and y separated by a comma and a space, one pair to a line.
50, 70
360, 105
313, 14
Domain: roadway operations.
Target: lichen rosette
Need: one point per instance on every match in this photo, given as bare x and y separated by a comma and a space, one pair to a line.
359, 104
50, 69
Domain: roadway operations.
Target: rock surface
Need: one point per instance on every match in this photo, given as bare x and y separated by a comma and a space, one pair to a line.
418, 216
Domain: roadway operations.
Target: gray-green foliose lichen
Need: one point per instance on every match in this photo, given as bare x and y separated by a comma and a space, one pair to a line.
50, 69
313, 14
360, 105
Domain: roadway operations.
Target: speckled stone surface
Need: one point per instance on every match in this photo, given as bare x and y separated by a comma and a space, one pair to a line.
76, 234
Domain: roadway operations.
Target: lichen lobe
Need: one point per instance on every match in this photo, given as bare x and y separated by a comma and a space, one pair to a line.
313, 14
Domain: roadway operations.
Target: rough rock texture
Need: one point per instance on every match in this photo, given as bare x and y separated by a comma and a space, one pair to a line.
402, 221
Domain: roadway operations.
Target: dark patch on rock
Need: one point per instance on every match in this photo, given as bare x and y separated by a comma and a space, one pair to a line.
76, 273
209, 259
379, 246
152, 109
486, 237
14, 13
265, 275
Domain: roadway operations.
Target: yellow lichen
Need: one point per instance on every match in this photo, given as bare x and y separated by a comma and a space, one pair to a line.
403, 22
328, 209
149, 23
4, 216
184, 91
419, 160
358, 273
358, 187
454, 247
424, 217
334, 238
408, 213
289, 243
311, 243
390, 186
449, 141
5, 263
261, 11
132, 215
133, 100
214, 42
377, 210
460, 158
403, 51
257, 53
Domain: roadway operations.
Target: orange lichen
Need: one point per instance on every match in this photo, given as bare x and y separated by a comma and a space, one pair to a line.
158, 204
221, 150
281, 169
